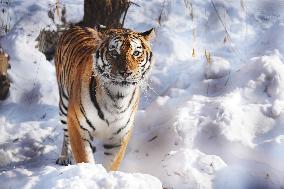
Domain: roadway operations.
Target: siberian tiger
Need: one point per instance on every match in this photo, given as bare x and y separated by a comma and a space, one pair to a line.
99, 75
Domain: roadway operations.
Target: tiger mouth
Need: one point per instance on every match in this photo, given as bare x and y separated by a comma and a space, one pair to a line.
108, 78
123, 83
116, 81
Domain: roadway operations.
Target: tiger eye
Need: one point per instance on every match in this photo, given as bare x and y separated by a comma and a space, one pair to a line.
136, 53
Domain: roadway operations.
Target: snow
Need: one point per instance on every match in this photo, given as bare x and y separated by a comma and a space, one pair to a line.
217, 67
82, 176
200, 124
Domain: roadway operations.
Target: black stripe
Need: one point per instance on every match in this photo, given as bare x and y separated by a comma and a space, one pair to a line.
91, 146
107, 153
145, 61
65, 130
120, 129
107, 122
144, 71
65, 107
62, 102
94, 98
65, 95
151, 54
102, 58
91, 137
85, 116
64, 113
110, 146
109, 94
143, 74
97, 55
63, 122
62, 94
129, 103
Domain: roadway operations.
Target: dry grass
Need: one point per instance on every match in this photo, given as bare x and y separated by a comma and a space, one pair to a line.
5, 17
207, 55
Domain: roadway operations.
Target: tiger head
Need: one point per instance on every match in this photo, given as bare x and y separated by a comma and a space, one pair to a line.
124, 57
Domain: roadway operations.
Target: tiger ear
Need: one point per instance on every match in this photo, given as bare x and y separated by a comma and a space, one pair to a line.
149, 34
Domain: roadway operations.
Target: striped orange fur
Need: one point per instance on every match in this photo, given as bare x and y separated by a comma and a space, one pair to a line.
99, 76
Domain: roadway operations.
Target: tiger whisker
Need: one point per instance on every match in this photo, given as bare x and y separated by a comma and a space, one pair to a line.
151, 88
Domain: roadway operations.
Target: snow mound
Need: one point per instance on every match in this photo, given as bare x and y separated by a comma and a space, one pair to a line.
196, 139
217, 68
81, 176
273, 68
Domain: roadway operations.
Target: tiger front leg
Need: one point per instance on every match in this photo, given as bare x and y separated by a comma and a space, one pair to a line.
114, 152
65, 157
80, 144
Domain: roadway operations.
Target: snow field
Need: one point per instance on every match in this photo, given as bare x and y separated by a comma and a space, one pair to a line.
200, 125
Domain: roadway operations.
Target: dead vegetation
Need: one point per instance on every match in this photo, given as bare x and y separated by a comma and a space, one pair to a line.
5, 17
4, 80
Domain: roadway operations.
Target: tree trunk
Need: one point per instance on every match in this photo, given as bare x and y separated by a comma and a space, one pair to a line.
109, 13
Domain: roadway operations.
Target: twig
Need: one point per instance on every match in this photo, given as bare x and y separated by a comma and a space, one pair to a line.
124, 16
134, 4
57, 7
227, 32
153, 138
229, 75
213, 4
162, 12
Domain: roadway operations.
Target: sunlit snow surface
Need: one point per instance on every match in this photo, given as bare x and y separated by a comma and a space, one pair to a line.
201, 124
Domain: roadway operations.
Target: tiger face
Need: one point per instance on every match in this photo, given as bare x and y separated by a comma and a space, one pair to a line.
124, 56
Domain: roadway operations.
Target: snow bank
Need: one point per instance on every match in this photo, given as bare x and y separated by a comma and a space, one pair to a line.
217, 68
79, 176
195, 139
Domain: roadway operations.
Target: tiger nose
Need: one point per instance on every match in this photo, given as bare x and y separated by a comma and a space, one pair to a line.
125, 74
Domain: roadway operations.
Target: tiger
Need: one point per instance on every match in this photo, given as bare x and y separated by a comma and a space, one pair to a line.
99, 74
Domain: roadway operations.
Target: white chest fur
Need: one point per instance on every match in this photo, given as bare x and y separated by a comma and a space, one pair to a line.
115, 104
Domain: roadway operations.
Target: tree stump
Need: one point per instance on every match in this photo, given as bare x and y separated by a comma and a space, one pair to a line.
4, 80
104, 12
110, 13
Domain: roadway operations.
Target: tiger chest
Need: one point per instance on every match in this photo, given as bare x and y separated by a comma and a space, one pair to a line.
110, 119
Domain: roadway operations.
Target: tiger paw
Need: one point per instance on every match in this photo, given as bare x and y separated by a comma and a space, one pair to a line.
62, 160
